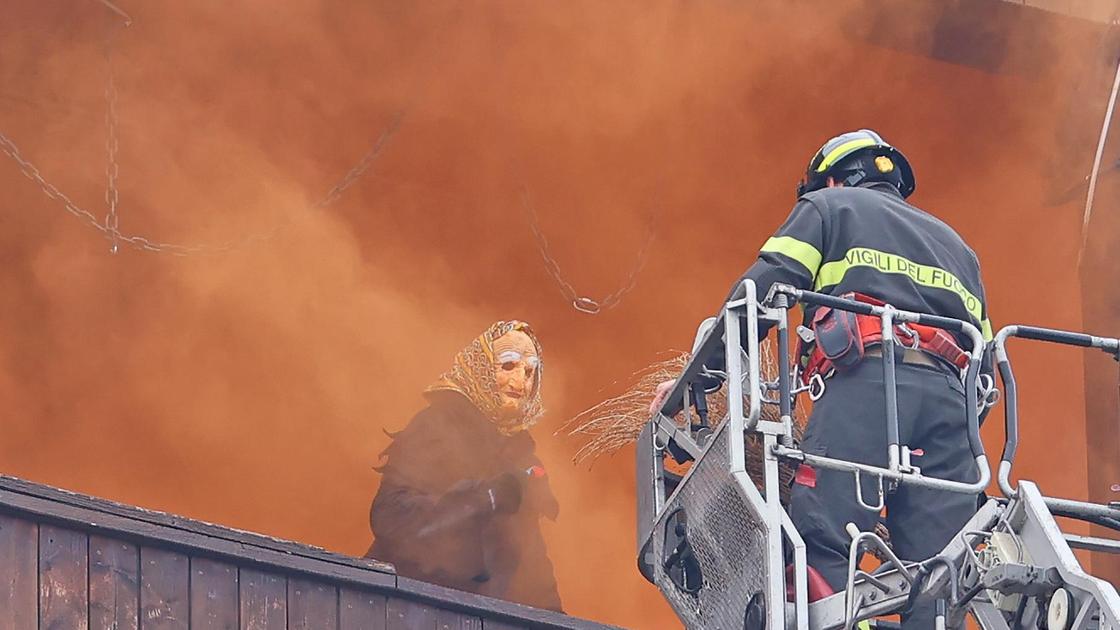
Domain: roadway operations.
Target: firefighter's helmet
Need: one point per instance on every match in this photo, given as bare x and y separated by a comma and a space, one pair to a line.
855, 157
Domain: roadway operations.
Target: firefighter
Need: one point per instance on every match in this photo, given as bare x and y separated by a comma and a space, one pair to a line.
853, 233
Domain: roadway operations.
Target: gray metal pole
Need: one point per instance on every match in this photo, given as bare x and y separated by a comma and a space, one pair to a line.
893, 455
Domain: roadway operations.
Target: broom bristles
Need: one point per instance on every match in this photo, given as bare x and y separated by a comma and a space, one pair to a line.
615, 423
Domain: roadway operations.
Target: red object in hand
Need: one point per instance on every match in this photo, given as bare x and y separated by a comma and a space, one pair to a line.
536, 471
818, 587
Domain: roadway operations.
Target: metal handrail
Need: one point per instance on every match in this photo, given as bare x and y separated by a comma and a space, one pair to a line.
894, 470
723, 340
726, 332
1011, 408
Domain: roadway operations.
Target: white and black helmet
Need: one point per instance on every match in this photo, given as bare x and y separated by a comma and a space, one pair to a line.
855, 157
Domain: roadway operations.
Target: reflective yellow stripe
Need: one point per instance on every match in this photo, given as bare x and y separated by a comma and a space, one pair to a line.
842, 150
864, 625
800, 251
831, 273
986, 329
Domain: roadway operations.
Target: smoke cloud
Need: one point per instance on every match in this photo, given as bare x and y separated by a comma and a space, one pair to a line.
252, 387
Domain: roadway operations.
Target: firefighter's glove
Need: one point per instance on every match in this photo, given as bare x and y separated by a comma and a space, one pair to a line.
503, 493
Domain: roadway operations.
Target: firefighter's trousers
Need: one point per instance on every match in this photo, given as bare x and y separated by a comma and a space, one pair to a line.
849, 422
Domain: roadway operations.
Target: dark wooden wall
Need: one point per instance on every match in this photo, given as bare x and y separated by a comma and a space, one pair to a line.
53, 577
70, 562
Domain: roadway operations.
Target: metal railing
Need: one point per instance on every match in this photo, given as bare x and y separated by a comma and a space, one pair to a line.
721, 347
898, 469
775, 311
719, 353
1108, 515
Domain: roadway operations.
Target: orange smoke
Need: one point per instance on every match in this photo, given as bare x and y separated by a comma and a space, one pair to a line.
252, 387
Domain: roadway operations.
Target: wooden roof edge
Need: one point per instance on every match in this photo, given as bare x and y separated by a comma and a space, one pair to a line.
75, 500
100, 516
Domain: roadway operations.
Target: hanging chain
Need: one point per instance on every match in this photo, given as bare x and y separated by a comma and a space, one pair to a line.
110, 227
362, 166
632, 279
115, 9
142, 243
31, 172
110, 231
550, 264
583, 303
9, 148
112, 168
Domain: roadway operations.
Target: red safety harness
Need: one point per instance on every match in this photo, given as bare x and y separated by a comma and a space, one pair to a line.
841, 337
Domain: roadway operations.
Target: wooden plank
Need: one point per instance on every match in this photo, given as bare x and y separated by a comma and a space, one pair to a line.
415, 615
494, 624
471, 604
214, 593
403, 614
448, 620
81, 502
114, 585
164, 590
264, 599
59, 506
357, 571
63, 578
312, 605
360, 610
19, 568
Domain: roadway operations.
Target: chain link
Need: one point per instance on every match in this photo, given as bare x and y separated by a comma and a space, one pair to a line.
583, 303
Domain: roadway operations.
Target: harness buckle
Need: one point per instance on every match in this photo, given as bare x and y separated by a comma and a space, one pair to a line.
988, 394
806, 334
915, 340
816, 387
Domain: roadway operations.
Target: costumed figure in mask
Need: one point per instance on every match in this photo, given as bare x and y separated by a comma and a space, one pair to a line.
462, 491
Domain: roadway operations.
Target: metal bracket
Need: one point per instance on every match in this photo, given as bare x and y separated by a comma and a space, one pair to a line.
859, 494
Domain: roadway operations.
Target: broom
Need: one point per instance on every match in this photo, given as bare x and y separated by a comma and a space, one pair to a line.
615, 422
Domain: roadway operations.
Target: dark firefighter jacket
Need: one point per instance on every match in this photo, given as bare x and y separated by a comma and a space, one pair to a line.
869, 240
432, 517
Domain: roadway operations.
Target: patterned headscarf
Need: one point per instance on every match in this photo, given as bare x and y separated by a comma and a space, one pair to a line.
473, 377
